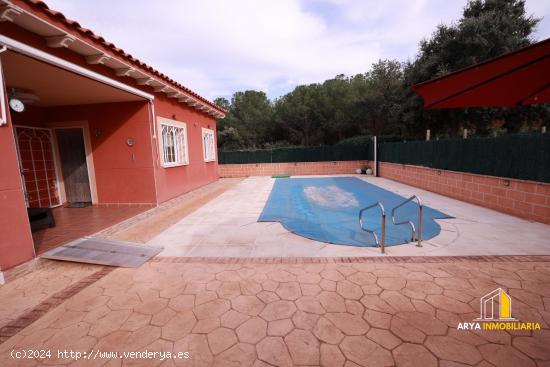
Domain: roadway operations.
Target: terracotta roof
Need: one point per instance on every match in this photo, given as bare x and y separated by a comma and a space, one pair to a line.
72, 24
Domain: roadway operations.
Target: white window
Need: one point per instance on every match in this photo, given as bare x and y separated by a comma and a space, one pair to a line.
173, 142
208, 145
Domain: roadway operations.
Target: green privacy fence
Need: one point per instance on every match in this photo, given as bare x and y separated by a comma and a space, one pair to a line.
520, 156
299, 154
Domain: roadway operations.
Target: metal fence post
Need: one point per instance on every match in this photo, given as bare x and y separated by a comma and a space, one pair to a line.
419, 234
383, 239
375, 156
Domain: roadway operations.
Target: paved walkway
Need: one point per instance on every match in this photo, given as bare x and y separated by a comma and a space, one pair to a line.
33, 288
328, 314
227, 227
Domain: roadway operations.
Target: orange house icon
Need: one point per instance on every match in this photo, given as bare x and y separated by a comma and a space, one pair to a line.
496, 305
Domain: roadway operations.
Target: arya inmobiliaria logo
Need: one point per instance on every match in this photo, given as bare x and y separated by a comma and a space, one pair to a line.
503, 309
495, 310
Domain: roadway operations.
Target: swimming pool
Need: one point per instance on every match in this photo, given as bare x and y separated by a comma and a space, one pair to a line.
326, 209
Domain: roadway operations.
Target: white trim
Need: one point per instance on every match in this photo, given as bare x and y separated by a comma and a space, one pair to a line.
210, 132
46, 57
178, 124
124, 71
64, 40
8, 12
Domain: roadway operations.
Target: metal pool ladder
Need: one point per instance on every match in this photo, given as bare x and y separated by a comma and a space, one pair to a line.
413, 229
383, 231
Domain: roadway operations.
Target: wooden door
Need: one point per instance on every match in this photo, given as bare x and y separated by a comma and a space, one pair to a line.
35, 150
72, 153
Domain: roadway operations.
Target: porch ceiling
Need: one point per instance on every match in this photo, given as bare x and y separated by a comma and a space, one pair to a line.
55, 86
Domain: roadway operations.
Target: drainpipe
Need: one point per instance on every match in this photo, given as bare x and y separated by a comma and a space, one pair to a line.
154, 146
3, 115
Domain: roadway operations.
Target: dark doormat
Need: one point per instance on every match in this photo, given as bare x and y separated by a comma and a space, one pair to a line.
79, 204
40, 218
93, 250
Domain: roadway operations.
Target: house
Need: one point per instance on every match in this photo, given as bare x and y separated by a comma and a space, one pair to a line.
84, 123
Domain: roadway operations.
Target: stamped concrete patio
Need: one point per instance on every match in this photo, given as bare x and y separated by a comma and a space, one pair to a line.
253, 314
228, 227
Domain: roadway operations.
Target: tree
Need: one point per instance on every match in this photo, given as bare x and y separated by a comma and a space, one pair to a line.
251, 116
222, 103
381, 101
298, 114
230, 139
221, 123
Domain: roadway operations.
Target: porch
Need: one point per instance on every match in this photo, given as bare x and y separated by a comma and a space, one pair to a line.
73, 223
83, 150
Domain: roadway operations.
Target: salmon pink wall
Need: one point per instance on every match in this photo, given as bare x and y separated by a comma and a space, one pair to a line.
525, 199
175, 181
290, 168
31, 116
16, 244
124, 174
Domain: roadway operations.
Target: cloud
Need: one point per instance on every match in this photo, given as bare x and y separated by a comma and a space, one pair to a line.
217, 47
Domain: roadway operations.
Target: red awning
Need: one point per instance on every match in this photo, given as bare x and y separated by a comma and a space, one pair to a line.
517, 78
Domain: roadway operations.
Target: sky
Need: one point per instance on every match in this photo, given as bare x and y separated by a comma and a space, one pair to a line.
218, 47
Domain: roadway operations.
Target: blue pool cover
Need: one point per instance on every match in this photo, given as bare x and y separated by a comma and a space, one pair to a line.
326, 210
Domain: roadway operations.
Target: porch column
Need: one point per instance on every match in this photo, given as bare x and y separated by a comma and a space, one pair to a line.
16, 243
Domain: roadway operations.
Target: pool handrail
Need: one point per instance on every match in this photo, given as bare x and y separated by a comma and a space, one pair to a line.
413, 229
383, 227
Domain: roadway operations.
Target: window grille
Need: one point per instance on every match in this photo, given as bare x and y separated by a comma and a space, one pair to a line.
173, 144
208, 144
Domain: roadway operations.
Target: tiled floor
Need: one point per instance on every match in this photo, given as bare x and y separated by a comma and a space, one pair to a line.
227, 227
73, 223
333, 315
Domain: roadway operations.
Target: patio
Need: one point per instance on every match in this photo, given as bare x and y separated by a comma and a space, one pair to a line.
253, 314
